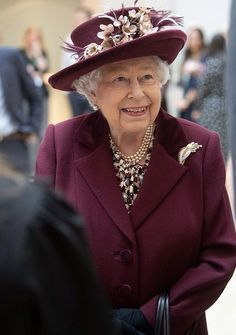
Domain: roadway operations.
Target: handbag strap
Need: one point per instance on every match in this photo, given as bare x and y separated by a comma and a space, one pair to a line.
162, 325
166, 321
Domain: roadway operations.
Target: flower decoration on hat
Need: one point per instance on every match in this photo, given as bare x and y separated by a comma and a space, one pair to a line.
135, 23
186, 151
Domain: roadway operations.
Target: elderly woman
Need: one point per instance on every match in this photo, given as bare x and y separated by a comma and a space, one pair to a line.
150, 187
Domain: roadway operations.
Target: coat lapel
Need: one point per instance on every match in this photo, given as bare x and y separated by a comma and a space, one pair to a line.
161, 177
97, 169
164, 171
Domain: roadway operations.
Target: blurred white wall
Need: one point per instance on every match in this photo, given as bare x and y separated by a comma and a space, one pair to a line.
210, 15
162, 4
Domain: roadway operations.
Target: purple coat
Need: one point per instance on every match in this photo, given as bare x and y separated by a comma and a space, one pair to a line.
179, 235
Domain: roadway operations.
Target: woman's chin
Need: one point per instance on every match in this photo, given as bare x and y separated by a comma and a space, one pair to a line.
136, 127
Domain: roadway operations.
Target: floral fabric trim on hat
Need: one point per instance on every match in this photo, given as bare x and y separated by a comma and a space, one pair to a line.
136, 23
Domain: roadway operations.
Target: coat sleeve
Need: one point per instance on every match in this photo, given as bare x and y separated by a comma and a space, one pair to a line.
46, 158
201, 285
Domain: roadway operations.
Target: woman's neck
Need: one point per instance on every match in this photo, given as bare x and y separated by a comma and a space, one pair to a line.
133, 147
128, 143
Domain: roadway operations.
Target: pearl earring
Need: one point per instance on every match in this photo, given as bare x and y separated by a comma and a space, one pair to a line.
95, 106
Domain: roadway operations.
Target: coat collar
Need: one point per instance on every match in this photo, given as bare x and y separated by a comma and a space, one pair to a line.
93, 160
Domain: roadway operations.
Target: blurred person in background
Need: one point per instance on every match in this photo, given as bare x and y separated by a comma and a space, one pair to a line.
211, 109
37, 65
20, 110
231, 97
47, 283
78, 103
191, 68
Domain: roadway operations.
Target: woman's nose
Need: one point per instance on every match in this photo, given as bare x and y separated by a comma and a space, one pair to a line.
135, 90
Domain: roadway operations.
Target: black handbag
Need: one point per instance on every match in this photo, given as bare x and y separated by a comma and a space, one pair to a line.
162, 326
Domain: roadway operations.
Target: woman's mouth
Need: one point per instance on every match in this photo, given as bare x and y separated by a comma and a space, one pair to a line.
135, 111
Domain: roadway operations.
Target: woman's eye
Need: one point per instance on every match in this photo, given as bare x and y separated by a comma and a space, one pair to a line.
147, 77
119, 79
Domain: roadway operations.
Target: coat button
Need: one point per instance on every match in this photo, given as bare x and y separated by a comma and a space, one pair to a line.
125, 290
126, 255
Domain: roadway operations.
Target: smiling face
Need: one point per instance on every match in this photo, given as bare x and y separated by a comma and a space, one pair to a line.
129, 95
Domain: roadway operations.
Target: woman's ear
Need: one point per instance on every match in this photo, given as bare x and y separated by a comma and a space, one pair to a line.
93, 96
93, 99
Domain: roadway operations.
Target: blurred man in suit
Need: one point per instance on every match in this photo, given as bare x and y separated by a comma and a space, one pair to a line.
20, 110
231, 74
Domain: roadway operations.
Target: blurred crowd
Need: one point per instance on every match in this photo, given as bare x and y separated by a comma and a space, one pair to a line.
24, 114
23, 99
202, 84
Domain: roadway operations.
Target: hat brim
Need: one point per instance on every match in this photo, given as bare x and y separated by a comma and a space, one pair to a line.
166, 44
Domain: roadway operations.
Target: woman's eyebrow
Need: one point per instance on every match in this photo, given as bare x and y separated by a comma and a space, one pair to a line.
121, 69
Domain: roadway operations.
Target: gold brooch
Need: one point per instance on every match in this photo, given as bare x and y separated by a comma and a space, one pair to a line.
186, 151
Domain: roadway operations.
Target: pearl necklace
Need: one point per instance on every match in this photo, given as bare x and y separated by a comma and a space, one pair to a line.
145, 145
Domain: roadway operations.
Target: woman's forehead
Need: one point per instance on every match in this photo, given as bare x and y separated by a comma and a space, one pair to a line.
128, 64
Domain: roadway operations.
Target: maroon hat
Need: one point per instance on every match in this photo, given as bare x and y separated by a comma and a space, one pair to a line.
118, 35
